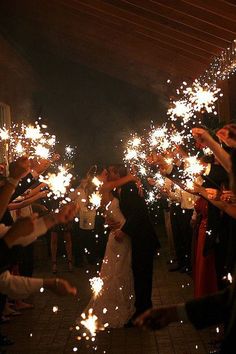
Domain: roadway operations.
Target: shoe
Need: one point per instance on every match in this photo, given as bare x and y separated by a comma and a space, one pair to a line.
4, 340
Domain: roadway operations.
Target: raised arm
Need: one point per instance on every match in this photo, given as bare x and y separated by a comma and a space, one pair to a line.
203, 137
227, 208
109, 186
28, 201
17, 170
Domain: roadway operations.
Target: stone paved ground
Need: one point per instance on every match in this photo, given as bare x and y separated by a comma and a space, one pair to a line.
41, 331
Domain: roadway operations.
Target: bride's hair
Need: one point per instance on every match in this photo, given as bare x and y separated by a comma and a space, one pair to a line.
120, 168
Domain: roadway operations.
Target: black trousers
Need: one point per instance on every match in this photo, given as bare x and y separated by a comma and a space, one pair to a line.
182, 233
142, 266
26, 262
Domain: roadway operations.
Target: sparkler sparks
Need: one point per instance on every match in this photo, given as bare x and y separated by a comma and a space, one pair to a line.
58, 182
96, 285
90, 322
181, 109
95, 200
202, 97
4, 134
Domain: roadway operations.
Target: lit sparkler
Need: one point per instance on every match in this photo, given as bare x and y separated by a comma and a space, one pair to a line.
95, 200
58, 182
90, 322
4, 134
96, 285
202, 97
181, 109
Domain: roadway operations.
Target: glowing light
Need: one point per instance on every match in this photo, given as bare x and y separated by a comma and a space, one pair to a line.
96, 285
55, 309
90, 322
180, 109
57, 182
96, 182
95, 200
4, 134
33, 133
202, 97
42, 151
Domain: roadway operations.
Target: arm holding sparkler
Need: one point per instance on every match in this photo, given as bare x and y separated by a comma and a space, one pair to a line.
17, 170
227, 134
109, 186
203, 137
31, 192
27, 201
27, 230
208, 194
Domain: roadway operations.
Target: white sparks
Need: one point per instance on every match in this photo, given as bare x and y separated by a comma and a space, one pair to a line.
96, 285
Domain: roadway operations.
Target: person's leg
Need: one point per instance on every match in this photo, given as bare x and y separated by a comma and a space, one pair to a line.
67, 238
142, 265
54, 251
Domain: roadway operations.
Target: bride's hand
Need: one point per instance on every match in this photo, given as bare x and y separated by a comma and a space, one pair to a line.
119, 235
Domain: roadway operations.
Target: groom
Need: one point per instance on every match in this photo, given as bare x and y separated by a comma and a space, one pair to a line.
143, 239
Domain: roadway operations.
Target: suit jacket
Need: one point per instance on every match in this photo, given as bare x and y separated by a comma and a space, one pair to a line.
214, 309
138, 224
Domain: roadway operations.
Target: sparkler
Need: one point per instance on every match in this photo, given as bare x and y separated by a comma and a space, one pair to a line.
4, 134
90, 322
58, 182
202, 97
95, 200
32, 140
96, 182
96, 285
181, 109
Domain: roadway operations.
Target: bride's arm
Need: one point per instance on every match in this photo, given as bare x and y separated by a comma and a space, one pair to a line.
109, 186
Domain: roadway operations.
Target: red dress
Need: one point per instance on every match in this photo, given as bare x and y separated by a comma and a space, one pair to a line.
205, 280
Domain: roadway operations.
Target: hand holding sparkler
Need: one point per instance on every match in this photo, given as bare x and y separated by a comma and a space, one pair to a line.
21, 228
39, 165
19, 168
60, 287
157, 318
228, 196
201, 136
227, 134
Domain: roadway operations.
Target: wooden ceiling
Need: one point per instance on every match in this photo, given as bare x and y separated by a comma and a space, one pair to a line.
143, 42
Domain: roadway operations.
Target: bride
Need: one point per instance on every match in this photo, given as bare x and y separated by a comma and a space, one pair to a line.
114, 305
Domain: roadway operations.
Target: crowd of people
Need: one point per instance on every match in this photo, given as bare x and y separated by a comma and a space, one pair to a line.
200, 226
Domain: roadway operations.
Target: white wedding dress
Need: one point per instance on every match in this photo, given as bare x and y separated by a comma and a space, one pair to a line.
115, 303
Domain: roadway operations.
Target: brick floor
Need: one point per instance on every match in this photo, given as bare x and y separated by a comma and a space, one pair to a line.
41, 331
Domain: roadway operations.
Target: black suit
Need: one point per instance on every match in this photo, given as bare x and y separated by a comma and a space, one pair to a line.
144, 243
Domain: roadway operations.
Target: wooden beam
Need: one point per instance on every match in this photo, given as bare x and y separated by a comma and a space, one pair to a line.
155, 31
140, 9
217, 7
212, 23
159, 8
